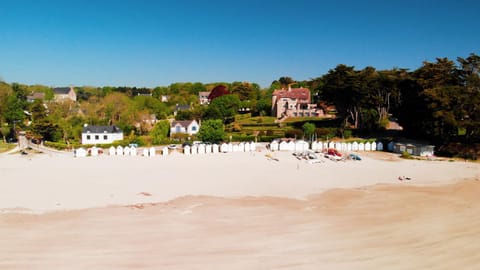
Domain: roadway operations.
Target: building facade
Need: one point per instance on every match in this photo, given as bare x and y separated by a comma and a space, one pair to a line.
190, 127
294, 102
101, 134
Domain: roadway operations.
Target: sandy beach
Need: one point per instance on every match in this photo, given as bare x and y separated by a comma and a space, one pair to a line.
237, 211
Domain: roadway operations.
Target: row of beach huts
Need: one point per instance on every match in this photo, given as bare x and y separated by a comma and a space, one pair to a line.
276, 145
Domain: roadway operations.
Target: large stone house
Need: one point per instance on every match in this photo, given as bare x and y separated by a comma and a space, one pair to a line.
203, 98
294, 102
64, 93
101, 134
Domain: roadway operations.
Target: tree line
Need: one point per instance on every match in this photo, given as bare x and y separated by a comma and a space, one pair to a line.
439, 101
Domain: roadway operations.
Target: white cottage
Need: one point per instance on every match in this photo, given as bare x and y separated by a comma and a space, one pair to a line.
101, 134
187, 127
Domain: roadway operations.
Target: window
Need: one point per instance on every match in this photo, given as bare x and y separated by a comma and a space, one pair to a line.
105, 137
178, 129
96, 137
88, 137
194, 128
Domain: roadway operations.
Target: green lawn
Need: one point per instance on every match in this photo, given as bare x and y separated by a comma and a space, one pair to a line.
4, 147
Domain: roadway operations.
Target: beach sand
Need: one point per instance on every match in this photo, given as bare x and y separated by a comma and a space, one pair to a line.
237, 211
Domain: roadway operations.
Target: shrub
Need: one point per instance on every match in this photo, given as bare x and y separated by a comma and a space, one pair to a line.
406, 155
294, 133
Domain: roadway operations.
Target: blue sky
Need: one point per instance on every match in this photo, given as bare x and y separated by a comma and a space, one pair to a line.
152, 43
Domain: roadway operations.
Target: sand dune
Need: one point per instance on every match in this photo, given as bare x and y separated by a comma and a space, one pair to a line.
251, 214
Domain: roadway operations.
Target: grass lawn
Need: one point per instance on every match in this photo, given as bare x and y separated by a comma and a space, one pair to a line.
4, 147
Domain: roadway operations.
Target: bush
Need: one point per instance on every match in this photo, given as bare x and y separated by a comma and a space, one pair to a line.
242, 138
267, 138
324, 133
347, 133
294, 133
406, 155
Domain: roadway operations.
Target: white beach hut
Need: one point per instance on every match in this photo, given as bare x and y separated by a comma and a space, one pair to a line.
349, 147
301, 146
133, 151
344, 146
201, 148
379, 146
241, 147
230, 147
291, 146
253, 146
151, 151
368, 146
119, 150
194, 149
112, 151
247, 147
314, 145
355, 146
215, 148
80, 152
94, 151
282, 146
224, 148
374, 146
319, 146
145, 152
361, 146
274, 146
186, 150
165, 151
208, 148
325, 146
331, 145
126, 151
235, 148
338, 146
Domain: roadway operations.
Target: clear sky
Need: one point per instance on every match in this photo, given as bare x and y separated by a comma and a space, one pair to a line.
152, 43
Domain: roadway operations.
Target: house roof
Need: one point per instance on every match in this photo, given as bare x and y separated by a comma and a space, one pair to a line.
293, 93
184, 123
204, 94
61, 90
101, 129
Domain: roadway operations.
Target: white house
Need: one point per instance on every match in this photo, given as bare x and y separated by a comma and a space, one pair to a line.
101, 134
189, 127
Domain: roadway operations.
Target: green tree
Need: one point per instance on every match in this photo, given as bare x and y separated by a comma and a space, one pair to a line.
5, 130
224, 107
47, 130
38, 110
341, 89
469, 111
160, 131
14, 109
244, 91
5, 92
212, 131
308, 129
285, 81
